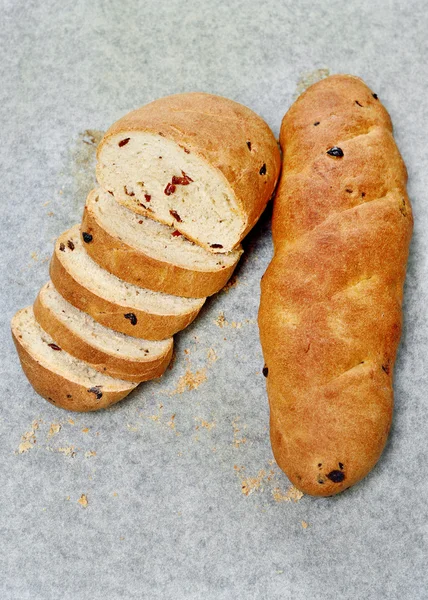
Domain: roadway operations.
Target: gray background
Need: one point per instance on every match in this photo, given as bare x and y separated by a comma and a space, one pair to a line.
193, 507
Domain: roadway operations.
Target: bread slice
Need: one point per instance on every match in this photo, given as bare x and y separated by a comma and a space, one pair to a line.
112, 302
201, 163
144, 252
59, 377
107, 351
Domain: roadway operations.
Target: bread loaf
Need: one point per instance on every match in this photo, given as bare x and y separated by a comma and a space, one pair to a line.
201, 163
149, 254
112, 302
105, 350
59, 377
330, 313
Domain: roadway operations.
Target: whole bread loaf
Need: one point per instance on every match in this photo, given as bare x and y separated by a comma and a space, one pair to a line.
203, 164
331, 304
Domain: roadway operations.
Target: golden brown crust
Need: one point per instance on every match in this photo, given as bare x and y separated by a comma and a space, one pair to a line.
330, 312
148, 326
227, 135
109, 364
59, 390
134, 266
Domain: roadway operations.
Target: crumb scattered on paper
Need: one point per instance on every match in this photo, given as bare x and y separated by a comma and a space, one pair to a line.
83, 501
85, 430
190, 381
304, 525
237, 438
230, 284
28, 439
205, 424
90, 453
221, 320
67, 451
291, 495
70, 421
211, 355
54, 429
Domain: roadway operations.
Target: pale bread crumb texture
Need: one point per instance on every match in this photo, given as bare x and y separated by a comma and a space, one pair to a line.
305, 525
83, 501
237, 438
199, 422
28, 439
90, 453
221, 322
54, 429
291, 495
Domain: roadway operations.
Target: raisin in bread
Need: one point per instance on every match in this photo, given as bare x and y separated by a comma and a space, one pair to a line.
201, 163
59, 377
144, 252
107, 351
113, 302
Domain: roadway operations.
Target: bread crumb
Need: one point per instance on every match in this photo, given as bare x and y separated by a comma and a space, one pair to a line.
85, 430
291, 495
28, 439
132, 427
171, 422
70, 421
67, 497
90, 453
46, 203
211, 355
204, 424
190, 381
35, 256
115, 494
221, 320
253, 484
69, 451
237, 440
304, 525
83, 501
54, 429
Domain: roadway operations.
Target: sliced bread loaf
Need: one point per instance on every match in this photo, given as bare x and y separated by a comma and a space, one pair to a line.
201, 163
112, 302
144, 252
59, 377
107, 351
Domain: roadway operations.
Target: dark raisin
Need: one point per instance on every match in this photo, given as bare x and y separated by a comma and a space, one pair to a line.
70, 245
160, 157
249, 146
54, 347
319, 465
316, 123
341, 466
124, 142
147, 197
128, 193
175, 214
403, 208
161, 134
375, 96
320, 479
62, 247
97, 391
69, 396
110, 192
265, 371
335, 151
87, 237
131, 317
386, 368
363, 194
356, 102
170, 189
263, 169
184, 180
185, 149
175, 233
140, 222
336, 476
216, 246
348, 190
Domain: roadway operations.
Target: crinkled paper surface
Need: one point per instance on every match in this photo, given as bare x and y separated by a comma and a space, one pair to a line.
173, 493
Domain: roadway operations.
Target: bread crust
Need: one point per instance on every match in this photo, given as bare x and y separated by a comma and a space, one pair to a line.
109, 364
134, 266
218, 131
60, 391
330, 313
148, 326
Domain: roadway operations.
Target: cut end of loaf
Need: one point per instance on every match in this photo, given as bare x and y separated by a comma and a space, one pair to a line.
159, 178
60, 378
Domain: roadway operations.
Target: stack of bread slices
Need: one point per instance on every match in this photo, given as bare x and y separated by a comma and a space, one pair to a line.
182, 181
